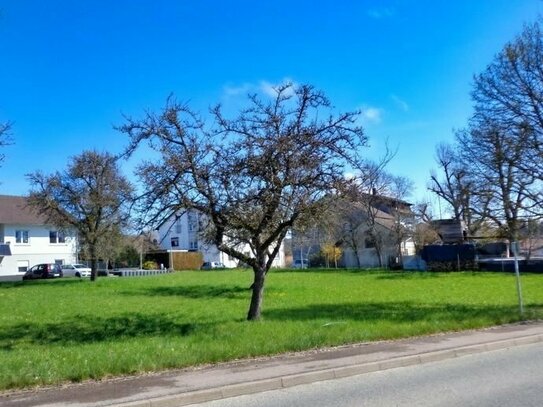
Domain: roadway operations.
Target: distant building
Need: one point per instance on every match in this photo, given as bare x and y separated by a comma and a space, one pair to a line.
393, 224
183, 232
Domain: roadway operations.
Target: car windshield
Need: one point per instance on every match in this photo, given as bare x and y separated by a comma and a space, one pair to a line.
80, 266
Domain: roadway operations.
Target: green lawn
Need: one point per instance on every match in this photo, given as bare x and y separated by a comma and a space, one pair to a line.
56, 331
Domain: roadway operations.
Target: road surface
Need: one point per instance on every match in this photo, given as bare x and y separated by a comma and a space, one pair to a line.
508, 377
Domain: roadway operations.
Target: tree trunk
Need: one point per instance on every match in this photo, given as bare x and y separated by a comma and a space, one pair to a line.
356, 255
258, 293
94, 265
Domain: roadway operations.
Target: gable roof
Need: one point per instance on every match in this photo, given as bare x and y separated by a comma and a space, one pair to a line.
15, 210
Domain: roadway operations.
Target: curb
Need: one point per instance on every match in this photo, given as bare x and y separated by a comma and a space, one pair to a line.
240, 389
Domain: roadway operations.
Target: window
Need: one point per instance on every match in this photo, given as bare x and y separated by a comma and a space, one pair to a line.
193, 245
178, 226
369, 243
193, 222
56, 237
22, 266
175, 242
21, 236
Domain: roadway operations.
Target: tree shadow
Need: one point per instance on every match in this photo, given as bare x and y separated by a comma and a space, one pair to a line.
406, 275
56, 282
398, 312
195, 291
84, 329
323, 270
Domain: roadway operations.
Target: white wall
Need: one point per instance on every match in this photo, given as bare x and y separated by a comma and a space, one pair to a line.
37, 250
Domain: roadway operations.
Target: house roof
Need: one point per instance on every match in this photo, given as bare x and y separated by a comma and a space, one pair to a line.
15, 210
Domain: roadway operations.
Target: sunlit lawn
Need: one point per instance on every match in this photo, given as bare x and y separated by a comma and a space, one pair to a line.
72, 330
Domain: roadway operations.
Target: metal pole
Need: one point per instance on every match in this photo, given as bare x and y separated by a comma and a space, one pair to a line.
517, 274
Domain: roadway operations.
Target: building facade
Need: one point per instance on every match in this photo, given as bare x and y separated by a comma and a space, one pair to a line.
29, 240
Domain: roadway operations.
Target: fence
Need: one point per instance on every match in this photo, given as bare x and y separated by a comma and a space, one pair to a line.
138, 273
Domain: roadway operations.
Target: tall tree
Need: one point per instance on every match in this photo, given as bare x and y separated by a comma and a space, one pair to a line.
90, 197
509, 95
253, 177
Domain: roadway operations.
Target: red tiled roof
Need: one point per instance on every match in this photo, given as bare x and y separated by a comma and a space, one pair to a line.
15, 210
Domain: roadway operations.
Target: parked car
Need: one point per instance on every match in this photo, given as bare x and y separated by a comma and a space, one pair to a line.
76, 270
212, 265
300, 264
46, 270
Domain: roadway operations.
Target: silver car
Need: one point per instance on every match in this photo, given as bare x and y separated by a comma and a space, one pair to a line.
76, 270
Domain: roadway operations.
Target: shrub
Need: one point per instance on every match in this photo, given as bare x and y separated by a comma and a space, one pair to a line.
150, 265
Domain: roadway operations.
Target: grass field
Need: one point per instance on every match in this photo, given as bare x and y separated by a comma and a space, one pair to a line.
72, 330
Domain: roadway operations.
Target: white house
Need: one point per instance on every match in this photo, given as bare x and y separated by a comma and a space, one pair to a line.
25, 234
182, 232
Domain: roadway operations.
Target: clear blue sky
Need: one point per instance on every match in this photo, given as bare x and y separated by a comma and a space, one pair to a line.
70, 69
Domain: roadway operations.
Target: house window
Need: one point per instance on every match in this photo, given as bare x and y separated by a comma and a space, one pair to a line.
369, 243
21, 236
178, 226
22, 266
175, 242
193, 245
193, 222
56, 237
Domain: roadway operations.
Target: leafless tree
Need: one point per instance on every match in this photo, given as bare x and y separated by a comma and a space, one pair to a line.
90, 197
5, 138
494, 173
457, 187
505, 192
509, 94
403, 226
253, 177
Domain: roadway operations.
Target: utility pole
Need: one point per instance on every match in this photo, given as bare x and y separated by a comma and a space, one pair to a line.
515, 247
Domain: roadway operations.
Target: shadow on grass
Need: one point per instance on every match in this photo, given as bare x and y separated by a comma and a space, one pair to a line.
405, 275
195, 291
84, 329
53, 282
322, 270
399, 312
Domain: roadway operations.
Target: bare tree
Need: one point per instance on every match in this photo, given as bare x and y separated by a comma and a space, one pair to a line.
403, 227
505, 192
5, 138
495, 171
90, 197
353, 216
509, 95
424, 232
252, 178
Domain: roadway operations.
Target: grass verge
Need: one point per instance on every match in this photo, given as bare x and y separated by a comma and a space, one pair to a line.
72, 330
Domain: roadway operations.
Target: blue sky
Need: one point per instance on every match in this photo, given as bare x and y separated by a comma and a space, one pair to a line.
71, 69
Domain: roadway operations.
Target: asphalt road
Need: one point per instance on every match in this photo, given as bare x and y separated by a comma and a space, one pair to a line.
509, 377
